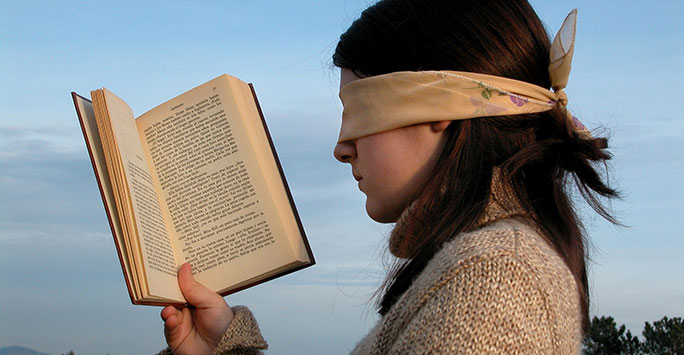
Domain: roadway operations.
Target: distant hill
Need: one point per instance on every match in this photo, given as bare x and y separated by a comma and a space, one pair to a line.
19, 350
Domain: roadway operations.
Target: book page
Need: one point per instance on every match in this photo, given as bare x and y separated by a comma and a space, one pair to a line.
94, 145
223, 218
272, 174
155, 248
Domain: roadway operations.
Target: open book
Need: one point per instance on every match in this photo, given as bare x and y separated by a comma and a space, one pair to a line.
196, 179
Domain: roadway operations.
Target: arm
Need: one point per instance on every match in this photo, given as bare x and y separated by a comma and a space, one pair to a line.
494, 306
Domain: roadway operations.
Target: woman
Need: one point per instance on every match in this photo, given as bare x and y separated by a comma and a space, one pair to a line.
452, 133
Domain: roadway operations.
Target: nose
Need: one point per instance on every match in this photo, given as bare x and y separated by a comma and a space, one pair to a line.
345, 152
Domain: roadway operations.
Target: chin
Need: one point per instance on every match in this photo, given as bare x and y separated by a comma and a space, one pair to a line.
381, 215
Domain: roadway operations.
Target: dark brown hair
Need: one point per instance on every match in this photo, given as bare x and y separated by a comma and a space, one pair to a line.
539, 155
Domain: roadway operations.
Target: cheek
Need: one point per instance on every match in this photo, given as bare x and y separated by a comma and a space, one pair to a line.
390, 189
395, 166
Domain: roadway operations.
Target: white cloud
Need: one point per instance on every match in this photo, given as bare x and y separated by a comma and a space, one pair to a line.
26, 142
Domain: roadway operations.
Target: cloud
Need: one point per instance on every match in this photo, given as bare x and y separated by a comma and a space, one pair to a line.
28, 142
46, 184
57, 257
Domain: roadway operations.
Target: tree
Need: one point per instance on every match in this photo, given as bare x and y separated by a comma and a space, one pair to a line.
630, 344
603, 337
665, 336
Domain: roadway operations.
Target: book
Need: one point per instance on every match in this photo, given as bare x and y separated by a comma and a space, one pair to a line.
195, 179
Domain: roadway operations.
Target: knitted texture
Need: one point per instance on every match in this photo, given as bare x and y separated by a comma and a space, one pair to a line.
242, 336
500, 289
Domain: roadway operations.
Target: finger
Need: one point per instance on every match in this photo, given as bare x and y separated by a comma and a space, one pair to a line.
167, 312
171, 323
172, 317
174, 330
195, 293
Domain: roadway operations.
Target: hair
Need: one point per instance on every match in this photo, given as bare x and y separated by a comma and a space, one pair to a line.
539, 155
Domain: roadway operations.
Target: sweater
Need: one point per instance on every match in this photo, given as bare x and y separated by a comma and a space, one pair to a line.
498, 289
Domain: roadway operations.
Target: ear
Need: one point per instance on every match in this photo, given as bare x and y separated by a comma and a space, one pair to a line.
439, 126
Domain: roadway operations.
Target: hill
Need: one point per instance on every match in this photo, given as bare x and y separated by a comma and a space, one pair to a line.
19, 350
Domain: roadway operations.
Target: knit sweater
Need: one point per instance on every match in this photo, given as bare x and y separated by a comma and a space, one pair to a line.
498, 289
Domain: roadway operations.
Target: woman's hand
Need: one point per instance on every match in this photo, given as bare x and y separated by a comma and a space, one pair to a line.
196, 329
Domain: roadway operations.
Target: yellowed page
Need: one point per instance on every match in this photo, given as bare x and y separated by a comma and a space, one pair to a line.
119, 191
85, 109
144, 214
222, 214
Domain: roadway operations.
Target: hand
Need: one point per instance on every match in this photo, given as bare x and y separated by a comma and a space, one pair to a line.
196, 329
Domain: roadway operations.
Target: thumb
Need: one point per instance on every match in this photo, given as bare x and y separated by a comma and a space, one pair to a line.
195, 293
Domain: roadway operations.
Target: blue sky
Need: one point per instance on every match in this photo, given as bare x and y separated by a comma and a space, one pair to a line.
61, 285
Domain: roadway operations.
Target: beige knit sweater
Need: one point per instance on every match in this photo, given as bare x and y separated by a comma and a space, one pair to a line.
499, 289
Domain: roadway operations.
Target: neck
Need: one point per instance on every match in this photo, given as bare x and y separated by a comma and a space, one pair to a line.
502, 204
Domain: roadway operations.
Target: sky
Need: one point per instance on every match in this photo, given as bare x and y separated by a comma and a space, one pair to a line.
61, 286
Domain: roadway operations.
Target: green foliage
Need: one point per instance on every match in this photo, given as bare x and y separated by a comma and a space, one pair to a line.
604, 337
630, 344
665, 337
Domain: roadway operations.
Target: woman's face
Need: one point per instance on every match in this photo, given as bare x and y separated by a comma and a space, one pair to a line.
393, 166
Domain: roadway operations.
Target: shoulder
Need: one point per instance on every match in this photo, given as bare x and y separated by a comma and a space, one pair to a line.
508, 254
501, 286
507, 239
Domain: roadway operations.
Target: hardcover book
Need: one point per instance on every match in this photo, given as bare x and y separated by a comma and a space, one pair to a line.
195, 179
